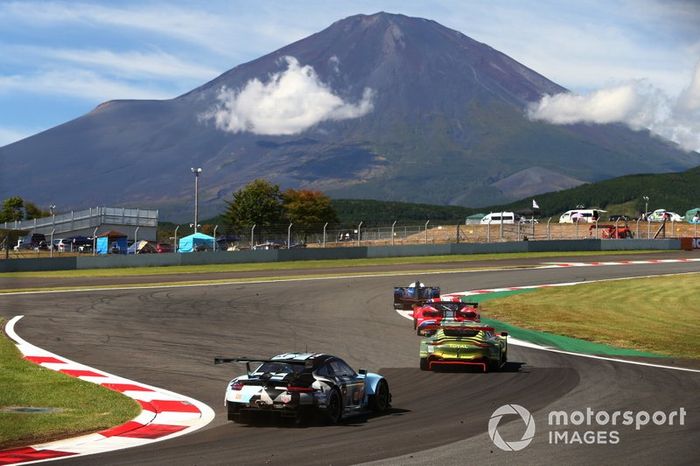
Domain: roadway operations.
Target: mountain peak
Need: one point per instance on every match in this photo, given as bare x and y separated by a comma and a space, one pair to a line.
382, 106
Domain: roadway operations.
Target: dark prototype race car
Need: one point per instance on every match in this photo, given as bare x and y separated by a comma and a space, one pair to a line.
405, 297
299, 385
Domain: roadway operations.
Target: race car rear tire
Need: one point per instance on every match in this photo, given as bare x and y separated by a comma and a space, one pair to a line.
234, 413
301, 417
424, 365
334, 408
381, 400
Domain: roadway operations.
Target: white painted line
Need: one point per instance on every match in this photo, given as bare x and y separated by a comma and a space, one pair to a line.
528, 344
548, 265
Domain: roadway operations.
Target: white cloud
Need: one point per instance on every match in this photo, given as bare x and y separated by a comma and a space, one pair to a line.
219, 27
135, 64
81, 84
191, 24
689, 100
633, 103
290, 102
637, 104
129, 64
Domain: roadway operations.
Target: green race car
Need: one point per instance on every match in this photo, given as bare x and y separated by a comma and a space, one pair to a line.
464, 343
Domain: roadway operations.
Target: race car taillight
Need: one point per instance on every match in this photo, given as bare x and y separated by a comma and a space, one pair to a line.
236, 386
293, 388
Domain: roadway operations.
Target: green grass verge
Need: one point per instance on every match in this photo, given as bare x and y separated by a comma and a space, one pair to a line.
656, 315
85, 407
310, 264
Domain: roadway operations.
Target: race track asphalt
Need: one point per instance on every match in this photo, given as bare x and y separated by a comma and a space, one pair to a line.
168, 337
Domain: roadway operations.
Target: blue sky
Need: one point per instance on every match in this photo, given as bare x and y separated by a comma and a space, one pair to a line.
61, 59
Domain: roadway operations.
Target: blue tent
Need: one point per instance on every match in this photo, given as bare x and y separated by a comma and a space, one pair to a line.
691, 216
112, 242
196, 242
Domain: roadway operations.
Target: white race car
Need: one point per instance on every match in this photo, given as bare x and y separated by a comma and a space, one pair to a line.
297, 385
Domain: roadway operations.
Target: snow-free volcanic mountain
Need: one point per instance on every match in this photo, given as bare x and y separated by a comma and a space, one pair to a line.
382, 106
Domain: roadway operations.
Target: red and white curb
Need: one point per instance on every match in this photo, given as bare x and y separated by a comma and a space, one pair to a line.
556, 265
164, 414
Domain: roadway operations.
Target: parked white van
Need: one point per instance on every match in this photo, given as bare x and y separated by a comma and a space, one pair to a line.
581, 216
500, 217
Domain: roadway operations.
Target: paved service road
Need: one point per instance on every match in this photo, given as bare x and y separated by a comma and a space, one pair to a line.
168, 337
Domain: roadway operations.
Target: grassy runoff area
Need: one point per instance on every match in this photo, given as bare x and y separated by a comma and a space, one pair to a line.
659, 314
311, 264
83, 407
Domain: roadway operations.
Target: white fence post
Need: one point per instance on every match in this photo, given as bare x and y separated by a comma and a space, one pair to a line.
94, 240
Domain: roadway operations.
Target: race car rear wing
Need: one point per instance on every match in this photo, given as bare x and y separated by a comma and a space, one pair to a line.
405, 292
467, 327
247, 361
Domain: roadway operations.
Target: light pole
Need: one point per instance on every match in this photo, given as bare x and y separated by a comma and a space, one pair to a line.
646, 204
196, 172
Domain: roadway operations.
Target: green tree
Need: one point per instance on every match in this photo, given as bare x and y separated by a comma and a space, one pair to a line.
258, 203
32, 211
12, 209
308, 209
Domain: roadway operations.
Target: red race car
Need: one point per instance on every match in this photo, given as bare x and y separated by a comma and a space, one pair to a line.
427, 317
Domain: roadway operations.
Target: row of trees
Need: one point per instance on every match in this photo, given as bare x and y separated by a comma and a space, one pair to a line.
15, 209
263, 204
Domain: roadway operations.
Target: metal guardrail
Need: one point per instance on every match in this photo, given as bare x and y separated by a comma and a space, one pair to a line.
89, 218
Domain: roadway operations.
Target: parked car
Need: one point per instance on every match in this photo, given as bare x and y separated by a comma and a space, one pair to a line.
22, 244
163, 248
75, 244
268, 245
500, 217
581, 216
659, 215
36, 241
227, 242
619, 218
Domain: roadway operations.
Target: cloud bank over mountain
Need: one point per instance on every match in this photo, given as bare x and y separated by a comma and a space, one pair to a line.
290, 102
637, 104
